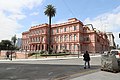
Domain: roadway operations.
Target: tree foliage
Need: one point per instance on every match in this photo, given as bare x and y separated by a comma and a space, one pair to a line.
50, 10
6, 45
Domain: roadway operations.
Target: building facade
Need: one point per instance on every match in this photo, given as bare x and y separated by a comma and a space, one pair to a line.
111, 40
72, 36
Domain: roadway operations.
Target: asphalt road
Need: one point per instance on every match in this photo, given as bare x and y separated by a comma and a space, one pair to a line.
46, 70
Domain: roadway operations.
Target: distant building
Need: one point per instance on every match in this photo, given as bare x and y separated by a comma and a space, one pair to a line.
111, 40
72, 36
19, 43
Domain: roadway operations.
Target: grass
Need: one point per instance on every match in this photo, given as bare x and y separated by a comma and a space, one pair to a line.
57, 54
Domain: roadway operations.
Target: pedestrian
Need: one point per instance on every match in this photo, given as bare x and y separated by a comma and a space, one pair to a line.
7, 55
86, 58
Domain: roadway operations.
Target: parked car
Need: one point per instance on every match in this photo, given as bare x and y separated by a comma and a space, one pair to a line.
115, 52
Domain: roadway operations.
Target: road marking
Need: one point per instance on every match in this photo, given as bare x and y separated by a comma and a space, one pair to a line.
10, 68
50, 73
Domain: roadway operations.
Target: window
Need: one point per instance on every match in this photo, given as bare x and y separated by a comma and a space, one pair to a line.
65, 38
86, 39
32, 39
56, 47
37, 39
65, 46
57, 39
98, 40
57, 30
39, 31
74, 47
65, 29
42, 39
74, 36
74, 28
81, 38
60, 47
70, 47
61, 38
42, 31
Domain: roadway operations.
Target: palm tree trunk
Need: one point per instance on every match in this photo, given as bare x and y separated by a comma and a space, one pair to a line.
49, 35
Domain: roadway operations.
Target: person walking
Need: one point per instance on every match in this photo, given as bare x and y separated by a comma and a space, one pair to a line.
86, 58
7, 55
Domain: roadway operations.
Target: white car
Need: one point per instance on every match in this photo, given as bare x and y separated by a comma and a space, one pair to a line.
115, 52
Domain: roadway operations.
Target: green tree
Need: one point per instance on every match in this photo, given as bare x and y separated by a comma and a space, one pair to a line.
14, 39
5, 45
50, 11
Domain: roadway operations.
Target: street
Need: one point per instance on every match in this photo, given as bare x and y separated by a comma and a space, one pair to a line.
46, 69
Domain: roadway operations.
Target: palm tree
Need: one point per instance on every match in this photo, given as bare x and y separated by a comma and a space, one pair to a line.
50, 11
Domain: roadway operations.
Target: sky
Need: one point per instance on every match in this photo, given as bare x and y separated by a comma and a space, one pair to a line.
17, 16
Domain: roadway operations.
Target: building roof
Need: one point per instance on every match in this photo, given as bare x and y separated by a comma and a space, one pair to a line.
38, 26
70, 21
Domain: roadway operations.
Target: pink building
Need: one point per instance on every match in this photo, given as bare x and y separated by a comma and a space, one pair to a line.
94, 41
72, 36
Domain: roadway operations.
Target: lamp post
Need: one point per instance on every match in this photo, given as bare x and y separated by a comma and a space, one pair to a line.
11, 53
0, 50
78, 49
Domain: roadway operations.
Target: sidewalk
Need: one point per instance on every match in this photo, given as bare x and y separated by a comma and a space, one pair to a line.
101, 75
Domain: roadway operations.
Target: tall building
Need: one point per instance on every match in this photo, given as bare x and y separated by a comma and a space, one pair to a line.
19, 43
72, 36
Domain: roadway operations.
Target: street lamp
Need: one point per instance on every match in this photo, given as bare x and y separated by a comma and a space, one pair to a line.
78, 44
11, 52
0, 50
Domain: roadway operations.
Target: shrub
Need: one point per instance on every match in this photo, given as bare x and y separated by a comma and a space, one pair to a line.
60, 54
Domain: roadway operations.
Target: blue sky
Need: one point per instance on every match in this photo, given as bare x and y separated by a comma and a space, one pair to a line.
20, 15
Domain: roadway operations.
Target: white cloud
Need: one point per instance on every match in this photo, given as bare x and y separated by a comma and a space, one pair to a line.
11, 11
17, 16
34, 14
108, 22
